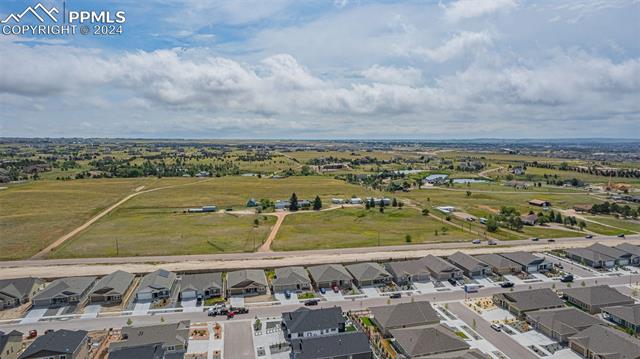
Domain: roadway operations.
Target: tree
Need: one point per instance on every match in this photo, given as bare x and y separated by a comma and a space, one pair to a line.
129, 321
367, 205
407, 238
492, 224
317, 203
394, 203
425, 211
293, 203
468, 193
582, 224
256, 222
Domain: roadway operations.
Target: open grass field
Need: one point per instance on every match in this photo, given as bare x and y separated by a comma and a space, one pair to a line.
159, 232
616, 222
344, 228
34, 214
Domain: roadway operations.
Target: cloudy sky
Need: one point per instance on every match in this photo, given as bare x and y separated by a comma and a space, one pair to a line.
331, 69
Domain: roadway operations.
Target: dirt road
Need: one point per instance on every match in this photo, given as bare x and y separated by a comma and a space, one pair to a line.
266, 246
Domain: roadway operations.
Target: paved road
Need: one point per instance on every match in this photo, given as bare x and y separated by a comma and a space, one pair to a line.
500, 340
54, 268
238, 341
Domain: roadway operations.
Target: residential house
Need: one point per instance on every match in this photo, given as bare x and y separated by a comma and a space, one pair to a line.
15, 292
539, 203
528, 262
435, 179
529, 219
590, 258
247, 282
369, 274
408, 272
355, 200
633, 250
626, 316
441, 269
59, 344
403, 315
330, 275
559, 324
472, 267
10, 344
519, 303
174, 337
146, 351
354, 345
593, 299
157, 285
622, 258
201, 286
281, 204
583, 208
601, 341
499, 264
64, 291
304, 322
111, 288
427, 340
292, 279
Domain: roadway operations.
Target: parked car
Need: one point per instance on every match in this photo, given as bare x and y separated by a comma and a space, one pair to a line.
476, 241
217, 310
559, 265
287, 294
621, 235
231, 314
535, 239
311, 302
336, 289
551, 240
588, 236
506, 284
323, 290
48, 331
395, 295
567, 278
32, 334
240, 310
491, 242
496, 327
452, 281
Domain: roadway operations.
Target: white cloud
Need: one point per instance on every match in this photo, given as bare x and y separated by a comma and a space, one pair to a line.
457, 45
464, 9
394, 75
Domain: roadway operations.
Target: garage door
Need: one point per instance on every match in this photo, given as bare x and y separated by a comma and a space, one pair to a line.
144, 296
188, 294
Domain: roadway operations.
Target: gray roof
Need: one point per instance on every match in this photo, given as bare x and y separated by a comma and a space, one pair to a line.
609, 342
19, 287
629, 248
4, 338
630, 313
329, 273
304, 319
201, 281
609, 251
438, 265
368, 271
533, 299
243, 278
467, 262
427, 340
330, 346
523, 258
158, 280
462, 354
405, 315
411, 267
115, 283
147, 351
598, 295
291, 276
565, 321
498, 261
60, 341
65, 287
589, 254
168, 334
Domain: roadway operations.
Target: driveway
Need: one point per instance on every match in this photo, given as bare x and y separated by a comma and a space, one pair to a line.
283, 299
33, 316
91, 311
500, 340
141, 308
190, 305
238, 340
332, 296
370, 292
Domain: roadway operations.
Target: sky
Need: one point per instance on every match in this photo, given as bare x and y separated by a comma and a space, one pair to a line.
344, 69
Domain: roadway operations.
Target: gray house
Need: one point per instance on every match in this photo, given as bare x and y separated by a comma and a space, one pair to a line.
626, 316
201, 286
601, 341
590, 258
593, 299
304, 322
10, 344
622, 258
528, 262
15, 292
292, 279
499, 264
519, 303
330, 275
561, 323
64, 291
111, 288
174, 337
407, 272
354, 345
369, 274
471, 266
157, 285
146, 351
247, 282
441, 269
60, 344
632, 250
416, 342
403, 315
